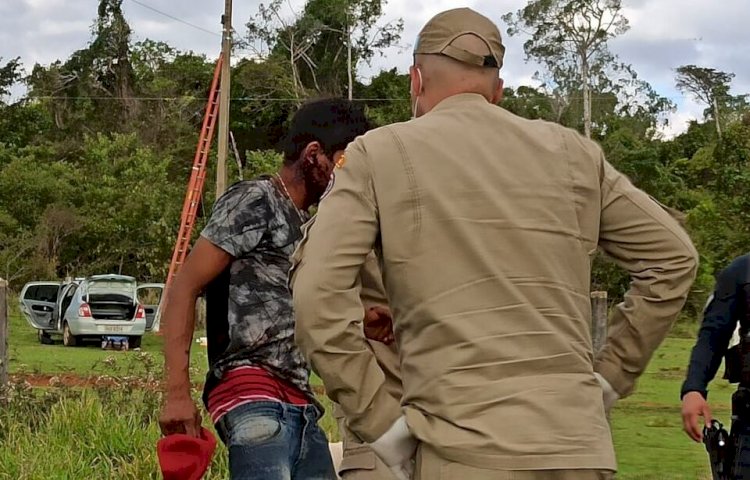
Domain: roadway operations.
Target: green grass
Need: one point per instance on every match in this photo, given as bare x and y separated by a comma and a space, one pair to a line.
106, 432
646, 427
98, 433
27, 355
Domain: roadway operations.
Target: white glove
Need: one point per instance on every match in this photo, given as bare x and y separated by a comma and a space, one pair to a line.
609, 395
396, 448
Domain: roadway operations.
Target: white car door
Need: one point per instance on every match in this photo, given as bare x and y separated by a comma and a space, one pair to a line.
149, 296
38, 301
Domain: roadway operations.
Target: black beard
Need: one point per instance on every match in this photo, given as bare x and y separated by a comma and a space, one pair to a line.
314, 189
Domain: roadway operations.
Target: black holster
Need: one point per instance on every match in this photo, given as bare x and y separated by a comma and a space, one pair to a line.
720, 448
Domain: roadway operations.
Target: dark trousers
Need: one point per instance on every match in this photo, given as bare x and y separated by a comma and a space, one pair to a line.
275, 441
741, 463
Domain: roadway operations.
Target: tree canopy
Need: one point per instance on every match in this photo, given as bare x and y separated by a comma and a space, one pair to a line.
95, 156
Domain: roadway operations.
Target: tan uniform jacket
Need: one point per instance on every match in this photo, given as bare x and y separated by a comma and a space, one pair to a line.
359, 461
487, 223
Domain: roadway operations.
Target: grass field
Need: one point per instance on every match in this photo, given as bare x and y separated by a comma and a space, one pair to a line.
27, 355
114, 428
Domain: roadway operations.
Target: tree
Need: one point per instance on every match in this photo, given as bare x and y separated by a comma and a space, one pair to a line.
10, 73
276, 38
531, 103
111, 60
353, 26
95, 83
321, 46
570, 38
707, 85
387, 97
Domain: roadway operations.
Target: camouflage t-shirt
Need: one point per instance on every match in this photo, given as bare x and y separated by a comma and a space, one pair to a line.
259, 226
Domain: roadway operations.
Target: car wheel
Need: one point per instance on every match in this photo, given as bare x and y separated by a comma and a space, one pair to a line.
134, 342
69, 340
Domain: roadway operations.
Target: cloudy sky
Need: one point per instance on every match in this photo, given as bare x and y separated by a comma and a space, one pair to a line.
664, 34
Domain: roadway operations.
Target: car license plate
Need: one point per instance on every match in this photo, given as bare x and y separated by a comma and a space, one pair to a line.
114, 329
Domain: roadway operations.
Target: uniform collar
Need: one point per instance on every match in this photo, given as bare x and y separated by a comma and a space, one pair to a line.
461, 98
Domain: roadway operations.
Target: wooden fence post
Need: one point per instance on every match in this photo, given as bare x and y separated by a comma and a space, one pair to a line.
3, 332
200, 313
599, 317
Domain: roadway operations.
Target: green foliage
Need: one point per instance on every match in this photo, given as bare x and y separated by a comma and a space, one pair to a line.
589, 85
97, 212
108, 430
103, 403
348, 33
94, 161
706, 85
389, 91
262, 162
529, 102
10, 73
319, 49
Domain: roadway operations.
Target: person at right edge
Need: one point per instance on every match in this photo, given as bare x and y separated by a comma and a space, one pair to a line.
485, 225
727, 311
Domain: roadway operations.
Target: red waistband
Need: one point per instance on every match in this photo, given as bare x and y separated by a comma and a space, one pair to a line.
250, 384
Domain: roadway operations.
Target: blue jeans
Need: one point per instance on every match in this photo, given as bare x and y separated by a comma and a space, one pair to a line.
275, 441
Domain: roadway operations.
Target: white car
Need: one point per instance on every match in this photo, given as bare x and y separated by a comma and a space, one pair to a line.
93, 307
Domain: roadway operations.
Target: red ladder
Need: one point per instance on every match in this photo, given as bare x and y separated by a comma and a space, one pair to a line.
195, 185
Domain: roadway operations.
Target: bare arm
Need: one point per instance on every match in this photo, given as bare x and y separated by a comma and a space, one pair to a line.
205, 262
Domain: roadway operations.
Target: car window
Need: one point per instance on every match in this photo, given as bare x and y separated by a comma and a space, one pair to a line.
71, 292
149, 295
68, 299
111, 286
42, 293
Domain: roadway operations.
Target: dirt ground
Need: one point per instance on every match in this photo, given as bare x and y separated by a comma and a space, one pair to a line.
73, 380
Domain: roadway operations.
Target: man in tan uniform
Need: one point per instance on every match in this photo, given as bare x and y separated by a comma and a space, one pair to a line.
486, 224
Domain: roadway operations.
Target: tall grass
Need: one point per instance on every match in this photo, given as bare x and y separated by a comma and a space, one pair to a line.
106, 431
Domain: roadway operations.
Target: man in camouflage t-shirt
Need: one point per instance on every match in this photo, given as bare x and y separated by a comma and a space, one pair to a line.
257, 390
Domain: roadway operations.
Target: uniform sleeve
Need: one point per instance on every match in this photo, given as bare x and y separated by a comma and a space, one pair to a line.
719, 321
326, 287
658, 254
238, 220
373, 291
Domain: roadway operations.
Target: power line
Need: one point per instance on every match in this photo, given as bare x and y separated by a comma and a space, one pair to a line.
175, 18
277, 99
236, 99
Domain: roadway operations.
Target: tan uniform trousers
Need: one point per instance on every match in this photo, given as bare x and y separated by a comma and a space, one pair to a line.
359, 461
429, 466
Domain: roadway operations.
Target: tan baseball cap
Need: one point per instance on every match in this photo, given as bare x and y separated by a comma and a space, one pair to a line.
444, 28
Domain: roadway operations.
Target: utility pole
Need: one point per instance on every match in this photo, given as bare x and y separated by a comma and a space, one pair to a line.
3, 332
223, 140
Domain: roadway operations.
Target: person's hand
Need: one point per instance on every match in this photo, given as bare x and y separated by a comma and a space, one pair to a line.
396, 448
180, 415
378, 324
694, 406
609, 395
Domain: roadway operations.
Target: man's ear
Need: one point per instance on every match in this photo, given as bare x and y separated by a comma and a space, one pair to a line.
311, 151
415, 85
498, 96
